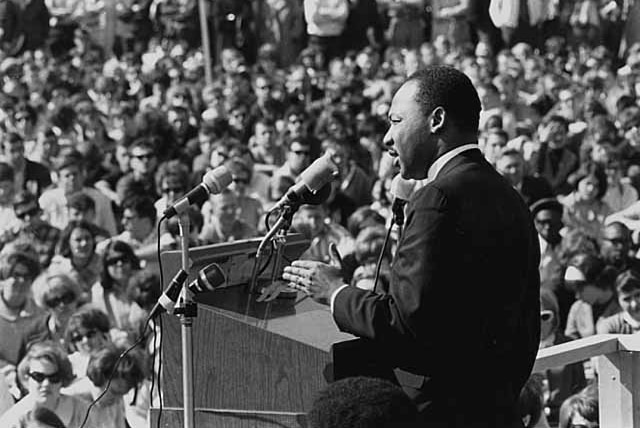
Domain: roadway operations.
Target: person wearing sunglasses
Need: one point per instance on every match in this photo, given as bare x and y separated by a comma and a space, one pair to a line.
87, 332
43, 372
129, 373
144, 163
59, 295
109, 294
172, 181
298, 158
18, 268
559, 382
250, 206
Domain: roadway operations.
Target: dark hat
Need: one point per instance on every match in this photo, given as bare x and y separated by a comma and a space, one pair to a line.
25, 202
546, 204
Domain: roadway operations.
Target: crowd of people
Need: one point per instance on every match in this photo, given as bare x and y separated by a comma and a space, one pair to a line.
102, 130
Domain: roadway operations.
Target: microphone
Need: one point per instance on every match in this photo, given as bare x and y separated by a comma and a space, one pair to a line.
313, 179
209, 278
212, 183
401, 189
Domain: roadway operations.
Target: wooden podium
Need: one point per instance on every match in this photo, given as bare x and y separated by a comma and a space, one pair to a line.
256, 364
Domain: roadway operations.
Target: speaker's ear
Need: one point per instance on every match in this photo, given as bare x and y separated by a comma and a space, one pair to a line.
437, 119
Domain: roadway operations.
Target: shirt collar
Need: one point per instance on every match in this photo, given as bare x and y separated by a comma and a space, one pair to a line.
437, 166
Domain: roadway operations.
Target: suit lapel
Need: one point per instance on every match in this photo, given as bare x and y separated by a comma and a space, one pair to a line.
469, 156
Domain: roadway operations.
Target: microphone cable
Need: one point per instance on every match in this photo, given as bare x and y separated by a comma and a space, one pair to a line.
155, 334
394, 219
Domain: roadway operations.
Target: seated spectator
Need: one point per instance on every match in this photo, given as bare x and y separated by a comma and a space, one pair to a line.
263, 144
362, 402
615, 247
102, 368
44, 370
554, 161
172, 181
109, 294
620, 194
59, 296
76, 255
547, 217
250, 207
493, 142
628, 320
144, 162
510, 164
9, 224
298, 158
170, 239
584, 208
562, 381
18, 268
315, 224
82, 208
29, 176
33, 229
369, 245
581, 409
70, 168
143, 289
225, 224
87, 332
593, 283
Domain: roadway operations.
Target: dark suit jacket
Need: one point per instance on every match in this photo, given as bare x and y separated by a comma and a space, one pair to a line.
461, 316
36, 177
534, 188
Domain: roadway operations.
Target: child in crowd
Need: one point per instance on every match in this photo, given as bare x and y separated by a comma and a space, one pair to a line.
627, 321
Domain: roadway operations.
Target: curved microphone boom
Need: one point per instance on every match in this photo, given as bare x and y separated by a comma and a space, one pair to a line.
312, 180
209, 278
212, 183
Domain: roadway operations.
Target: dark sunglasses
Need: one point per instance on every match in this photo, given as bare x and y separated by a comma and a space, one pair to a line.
66, 298
301, 152
89, 335
40, 377
146, 156
115, 260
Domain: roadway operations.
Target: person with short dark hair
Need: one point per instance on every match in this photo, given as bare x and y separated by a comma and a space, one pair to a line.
616, 245
628, 293
362, 402
143, 155
465, 227
554, 161
510, 163
71, 170
593, 282
29, 175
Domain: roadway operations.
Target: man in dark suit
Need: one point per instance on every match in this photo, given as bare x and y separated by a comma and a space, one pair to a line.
460, 321
510, 164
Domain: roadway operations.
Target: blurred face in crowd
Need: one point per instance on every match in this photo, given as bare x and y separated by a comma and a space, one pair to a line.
76, 214
512, 168
118, 387
588, 188
556, 134
123, 158
179, 120
88, 340
15, 288
143, 161
312, 217
299, 156
81, 243
71, 179
119, 268
225, 209
548, 224
295, 125
264, 135
237, 118
219, 155
44, 382
61, 300
616, 242
139, 227
630, 302
262, 89
493, 144
295, 80
428, 55
172, 188
14, 152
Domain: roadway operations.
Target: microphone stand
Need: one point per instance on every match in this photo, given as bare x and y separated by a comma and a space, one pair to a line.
186, 309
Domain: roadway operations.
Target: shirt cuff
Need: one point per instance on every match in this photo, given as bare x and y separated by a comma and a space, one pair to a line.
335, 293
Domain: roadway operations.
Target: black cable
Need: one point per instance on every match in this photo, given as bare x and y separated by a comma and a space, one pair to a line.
113, 372
381, 256
159, 329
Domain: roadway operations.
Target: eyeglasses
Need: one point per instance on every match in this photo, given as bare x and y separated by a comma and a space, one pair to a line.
115, 260
146, 156
66, 298
40, 377
89, 335
546, 315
